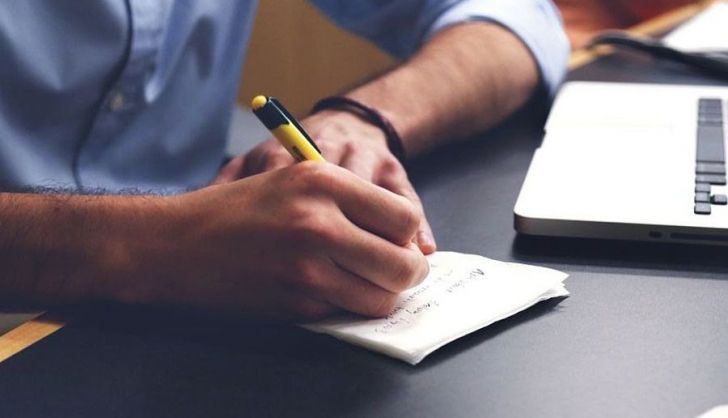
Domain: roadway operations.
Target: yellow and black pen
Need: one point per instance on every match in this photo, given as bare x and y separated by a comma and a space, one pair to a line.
286, 129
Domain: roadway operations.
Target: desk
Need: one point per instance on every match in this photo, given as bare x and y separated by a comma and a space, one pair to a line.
644, 334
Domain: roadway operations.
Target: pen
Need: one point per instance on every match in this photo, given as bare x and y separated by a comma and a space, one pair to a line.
286, 129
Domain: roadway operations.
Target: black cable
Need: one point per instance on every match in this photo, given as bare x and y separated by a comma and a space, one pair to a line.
713, 63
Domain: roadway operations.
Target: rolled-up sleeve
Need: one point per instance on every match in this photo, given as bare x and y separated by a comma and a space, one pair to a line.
401, 26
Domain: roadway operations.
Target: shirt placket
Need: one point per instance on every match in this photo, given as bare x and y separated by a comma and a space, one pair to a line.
126, 94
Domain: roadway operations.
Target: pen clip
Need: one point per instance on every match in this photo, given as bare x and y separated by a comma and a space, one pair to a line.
274, 102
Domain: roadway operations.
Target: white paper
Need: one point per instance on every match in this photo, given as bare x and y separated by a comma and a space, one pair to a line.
705, 32
717, 412
462, 294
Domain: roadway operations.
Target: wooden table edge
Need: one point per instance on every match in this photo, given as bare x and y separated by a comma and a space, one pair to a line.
28, 333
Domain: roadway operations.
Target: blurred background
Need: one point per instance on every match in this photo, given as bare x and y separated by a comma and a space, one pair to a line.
305, 57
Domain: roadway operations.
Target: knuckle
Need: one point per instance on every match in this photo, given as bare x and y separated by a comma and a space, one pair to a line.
315, 176
299, 214
306, 275
391, 166
313, 227
411, 273
410, 217
406, 276
353, 148
423, 271
307, 168
413, 197
383, 306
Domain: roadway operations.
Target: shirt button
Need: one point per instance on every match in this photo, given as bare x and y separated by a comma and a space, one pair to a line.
117, 102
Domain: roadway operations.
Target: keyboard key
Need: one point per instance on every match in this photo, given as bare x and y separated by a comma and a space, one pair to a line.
710, 119
702, 187
710, 108
711, 114
702, 209
710, 103
702, 197
711, 178
719, 199
710, 168
710, 144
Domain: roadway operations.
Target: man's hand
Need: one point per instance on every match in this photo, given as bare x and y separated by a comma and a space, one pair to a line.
348, 141
443, 93
298, 242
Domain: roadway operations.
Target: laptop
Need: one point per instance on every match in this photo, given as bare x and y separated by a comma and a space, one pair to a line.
630, 161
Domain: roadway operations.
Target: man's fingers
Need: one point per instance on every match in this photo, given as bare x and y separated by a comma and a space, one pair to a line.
360, 163
275, 160
350, 292
379, 261
232, 171
397, 182
267, 156
331, 151
273, 156
254, 160
261, 161
376, 209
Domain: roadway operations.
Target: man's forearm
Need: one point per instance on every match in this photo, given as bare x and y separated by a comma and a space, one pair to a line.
335, 242
463, 81
57, 249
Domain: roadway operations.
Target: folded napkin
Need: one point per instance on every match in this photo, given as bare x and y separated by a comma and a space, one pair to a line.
462, 293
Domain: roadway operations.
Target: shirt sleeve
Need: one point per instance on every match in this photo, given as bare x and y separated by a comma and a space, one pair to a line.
401, 26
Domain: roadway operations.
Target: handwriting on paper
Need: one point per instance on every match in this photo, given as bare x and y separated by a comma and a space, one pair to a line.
428, 296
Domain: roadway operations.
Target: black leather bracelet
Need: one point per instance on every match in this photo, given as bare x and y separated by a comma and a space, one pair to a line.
371, 115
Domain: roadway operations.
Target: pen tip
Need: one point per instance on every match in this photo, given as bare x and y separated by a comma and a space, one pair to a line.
258, 102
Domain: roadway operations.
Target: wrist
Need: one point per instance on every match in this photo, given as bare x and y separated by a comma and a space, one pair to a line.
138, 248
335, 125
367, 114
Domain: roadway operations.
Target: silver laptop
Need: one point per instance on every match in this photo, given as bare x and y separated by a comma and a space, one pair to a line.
630, 161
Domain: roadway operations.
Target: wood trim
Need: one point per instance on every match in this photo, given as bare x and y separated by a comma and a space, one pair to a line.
310, 59
25, 335
583, 56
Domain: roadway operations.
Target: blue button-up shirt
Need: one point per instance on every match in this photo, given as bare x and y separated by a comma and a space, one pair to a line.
113, 94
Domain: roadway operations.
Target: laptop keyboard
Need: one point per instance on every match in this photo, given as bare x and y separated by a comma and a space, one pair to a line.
710, 159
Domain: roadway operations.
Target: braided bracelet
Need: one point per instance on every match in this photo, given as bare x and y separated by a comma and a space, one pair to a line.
371, 115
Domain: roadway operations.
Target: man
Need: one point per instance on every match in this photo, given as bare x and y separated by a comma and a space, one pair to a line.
111, 96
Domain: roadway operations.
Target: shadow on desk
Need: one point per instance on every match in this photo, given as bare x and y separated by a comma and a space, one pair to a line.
470, 341
663, 259
187, 364
181, 363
